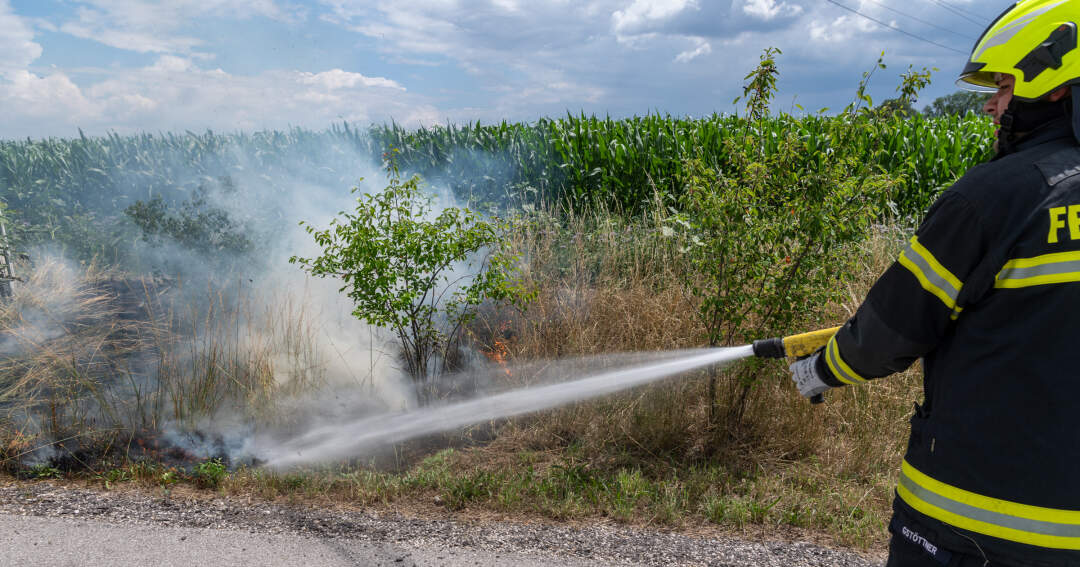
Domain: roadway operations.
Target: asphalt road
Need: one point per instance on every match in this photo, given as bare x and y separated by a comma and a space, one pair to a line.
56, 524
61, 542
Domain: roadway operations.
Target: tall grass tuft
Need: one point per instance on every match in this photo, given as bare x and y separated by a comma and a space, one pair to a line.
91, 359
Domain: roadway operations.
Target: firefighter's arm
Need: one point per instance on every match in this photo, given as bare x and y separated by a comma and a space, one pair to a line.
910, 307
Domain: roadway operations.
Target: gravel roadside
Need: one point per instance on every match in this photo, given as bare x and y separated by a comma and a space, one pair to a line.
601, 543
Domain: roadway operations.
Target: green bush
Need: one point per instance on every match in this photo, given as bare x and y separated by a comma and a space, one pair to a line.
768, 234
209, 474
419, 273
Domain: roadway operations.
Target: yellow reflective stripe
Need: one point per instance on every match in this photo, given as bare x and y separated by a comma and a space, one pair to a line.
934, 264
1047, 527
1059, 267
1054, 258
1037, 280
839, 368
1055, 542
940, 281
987, 503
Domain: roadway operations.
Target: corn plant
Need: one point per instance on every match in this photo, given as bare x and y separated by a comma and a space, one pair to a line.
73, 192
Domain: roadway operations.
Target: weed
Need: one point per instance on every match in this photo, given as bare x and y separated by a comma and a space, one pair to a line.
715, 507
628, 490
209, 474
169, 478
113, 476
396, 255
759, 510
460, 490
43, 471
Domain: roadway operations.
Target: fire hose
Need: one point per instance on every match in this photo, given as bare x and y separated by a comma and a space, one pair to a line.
794, 347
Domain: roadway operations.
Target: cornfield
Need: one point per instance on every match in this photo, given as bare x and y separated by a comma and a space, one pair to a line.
583, 160
73, 191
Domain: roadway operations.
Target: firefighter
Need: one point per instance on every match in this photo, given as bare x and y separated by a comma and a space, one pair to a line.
986, 294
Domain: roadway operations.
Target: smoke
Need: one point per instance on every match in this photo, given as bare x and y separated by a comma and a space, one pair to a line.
326, 365
210, 341
355, 437
205, 337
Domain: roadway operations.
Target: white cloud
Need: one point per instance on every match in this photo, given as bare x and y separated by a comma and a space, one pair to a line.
101, 27
175, 93
555, 90
17, 47
644, 12
703, 48
508, 5
770, 9
33, 97
147, 26
338, 79
841, 29
170, 64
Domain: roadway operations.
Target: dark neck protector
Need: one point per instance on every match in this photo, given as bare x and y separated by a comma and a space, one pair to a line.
1023, 118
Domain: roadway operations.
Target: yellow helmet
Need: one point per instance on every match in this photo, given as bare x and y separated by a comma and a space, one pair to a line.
1033, 40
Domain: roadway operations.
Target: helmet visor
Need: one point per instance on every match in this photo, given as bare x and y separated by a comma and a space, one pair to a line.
975, 78
978, 82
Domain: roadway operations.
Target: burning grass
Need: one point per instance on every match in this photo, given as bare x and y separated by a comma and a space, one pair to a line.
99, 368
648, 456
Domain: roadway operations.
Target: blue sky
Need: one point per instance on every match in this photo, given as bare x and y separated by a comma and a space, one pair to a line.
141, 65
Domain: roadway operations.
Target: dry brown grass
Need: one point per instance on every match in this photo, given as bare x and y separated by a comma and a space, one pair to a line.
91, 359
649, 455
605, 285
619, 293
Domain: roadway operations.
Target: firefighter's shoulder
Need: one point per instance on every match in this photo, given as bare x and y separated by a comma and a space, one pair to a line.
1002, 191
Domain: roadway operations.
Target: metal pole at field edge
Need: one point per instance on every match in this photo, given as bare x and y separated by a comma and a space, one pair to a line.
6, 275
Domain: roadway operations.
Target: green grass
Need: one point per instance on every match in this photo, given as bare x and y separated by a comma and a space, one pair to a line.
793, 495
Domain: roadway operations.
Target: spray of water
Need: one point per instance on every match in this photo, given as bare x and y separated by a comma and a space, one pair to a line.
355, 438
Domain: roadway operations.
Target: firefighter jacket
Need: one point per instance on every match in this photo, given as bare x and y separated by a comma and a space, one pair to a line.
986, 293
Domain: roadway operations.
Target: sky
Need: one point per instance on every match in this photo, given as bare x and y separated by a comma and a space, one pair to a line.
128, 66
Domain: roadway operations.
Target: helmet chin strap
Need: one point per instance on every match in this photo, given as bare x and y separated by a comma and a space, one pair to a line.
1025, 117
1074, 93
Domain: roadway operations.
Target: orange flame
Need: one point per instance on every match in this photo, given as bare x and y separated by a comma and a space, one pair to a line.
501, 349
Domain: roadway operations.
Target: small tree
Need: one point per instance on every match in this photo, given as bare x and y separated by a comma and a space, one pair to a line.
958, 104
418, 273
911, 83
768, 230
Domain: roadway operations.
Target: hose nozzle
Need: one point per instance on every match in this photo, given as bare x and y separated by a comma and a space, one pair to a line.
795, 346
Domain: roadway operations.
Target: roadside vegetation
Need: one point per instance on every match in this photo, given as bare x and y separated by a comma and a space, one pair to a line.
645, 234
